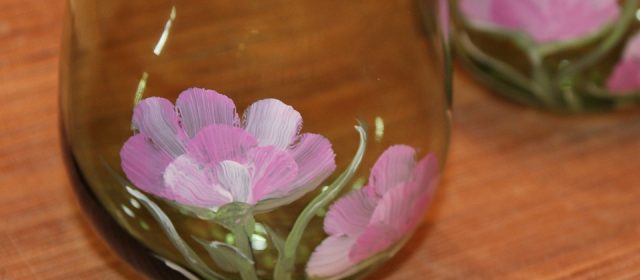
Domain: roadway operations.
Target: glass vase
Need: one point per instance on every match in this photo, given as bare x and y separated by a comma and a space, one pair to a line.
564, 56
255, 139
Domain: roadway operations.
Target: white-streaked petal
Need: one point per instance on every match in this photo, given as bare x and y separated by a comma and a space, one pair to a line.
216, 143
191, 183
143, 163
273, 172
235, 178
402, 207
316, 161
394, 208
351, 214
375, 239
395, 166
200, 108
331, 257
157, 119
399, 211
389, 222
272, 122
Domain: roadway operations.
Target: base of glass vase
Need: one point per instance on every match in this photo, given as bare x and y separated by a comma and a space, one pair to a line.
588, 100
124, 245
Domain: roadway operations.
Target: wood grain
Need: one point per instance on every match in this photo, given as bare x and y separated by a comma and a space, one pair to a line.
42, 234
526, 194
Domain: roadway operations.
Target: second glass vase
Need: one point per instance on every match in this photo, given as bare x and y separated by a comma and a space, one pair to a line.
560, 55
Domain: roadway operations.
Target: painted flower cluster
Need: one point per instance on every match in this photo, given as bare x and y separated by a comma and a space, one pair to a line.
201, 154
372, 219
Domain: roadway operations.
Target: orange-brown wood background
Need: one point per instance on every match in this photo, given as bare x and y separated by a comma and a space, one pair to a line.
526, 194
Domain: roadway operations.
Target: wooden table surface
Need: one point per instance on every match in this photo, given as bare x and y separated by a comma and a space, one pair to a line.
526, 194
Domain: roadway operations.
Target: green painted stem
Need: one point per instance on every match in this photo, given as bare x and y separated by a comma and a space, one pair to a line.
194, 262
542, 88
286, 259
192, 258
539, 83
469, 48
238, 219
618, 32
244, 245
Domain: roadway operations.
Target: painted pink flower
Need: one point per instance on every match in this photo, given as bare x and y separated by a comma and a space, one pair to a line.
372, 219
200, 154
626, 75
545, 21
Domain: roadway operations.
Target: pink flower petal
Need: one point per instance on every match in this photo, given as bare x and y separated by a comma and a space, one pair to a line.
202, 107
402, 207
396, 214
316, 161
399, 211
205, 159
632, 50
393, 209
625, 78
375, 239
235, 179
477, 10
190, 183
273, 172
156, 119
444, 18
563, 19
272, 122
351, 214
143, 163
424, 183
395, 166
331, 257
380, 214
216, 143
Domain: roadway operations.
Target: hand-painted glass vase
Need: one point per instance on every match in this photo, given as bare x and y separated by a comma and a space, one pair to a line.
561, 55
255, 139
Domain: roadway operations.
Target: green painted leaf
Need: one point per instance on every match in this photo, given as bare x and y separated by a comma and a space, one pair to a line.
226, 257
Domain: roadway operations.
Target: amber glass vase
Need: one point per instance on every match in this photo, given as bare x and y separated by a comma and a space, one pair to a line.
255, 139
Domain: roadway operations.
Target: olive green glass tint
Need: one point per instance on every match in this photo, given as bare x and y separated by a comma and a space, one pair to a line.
378, 65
